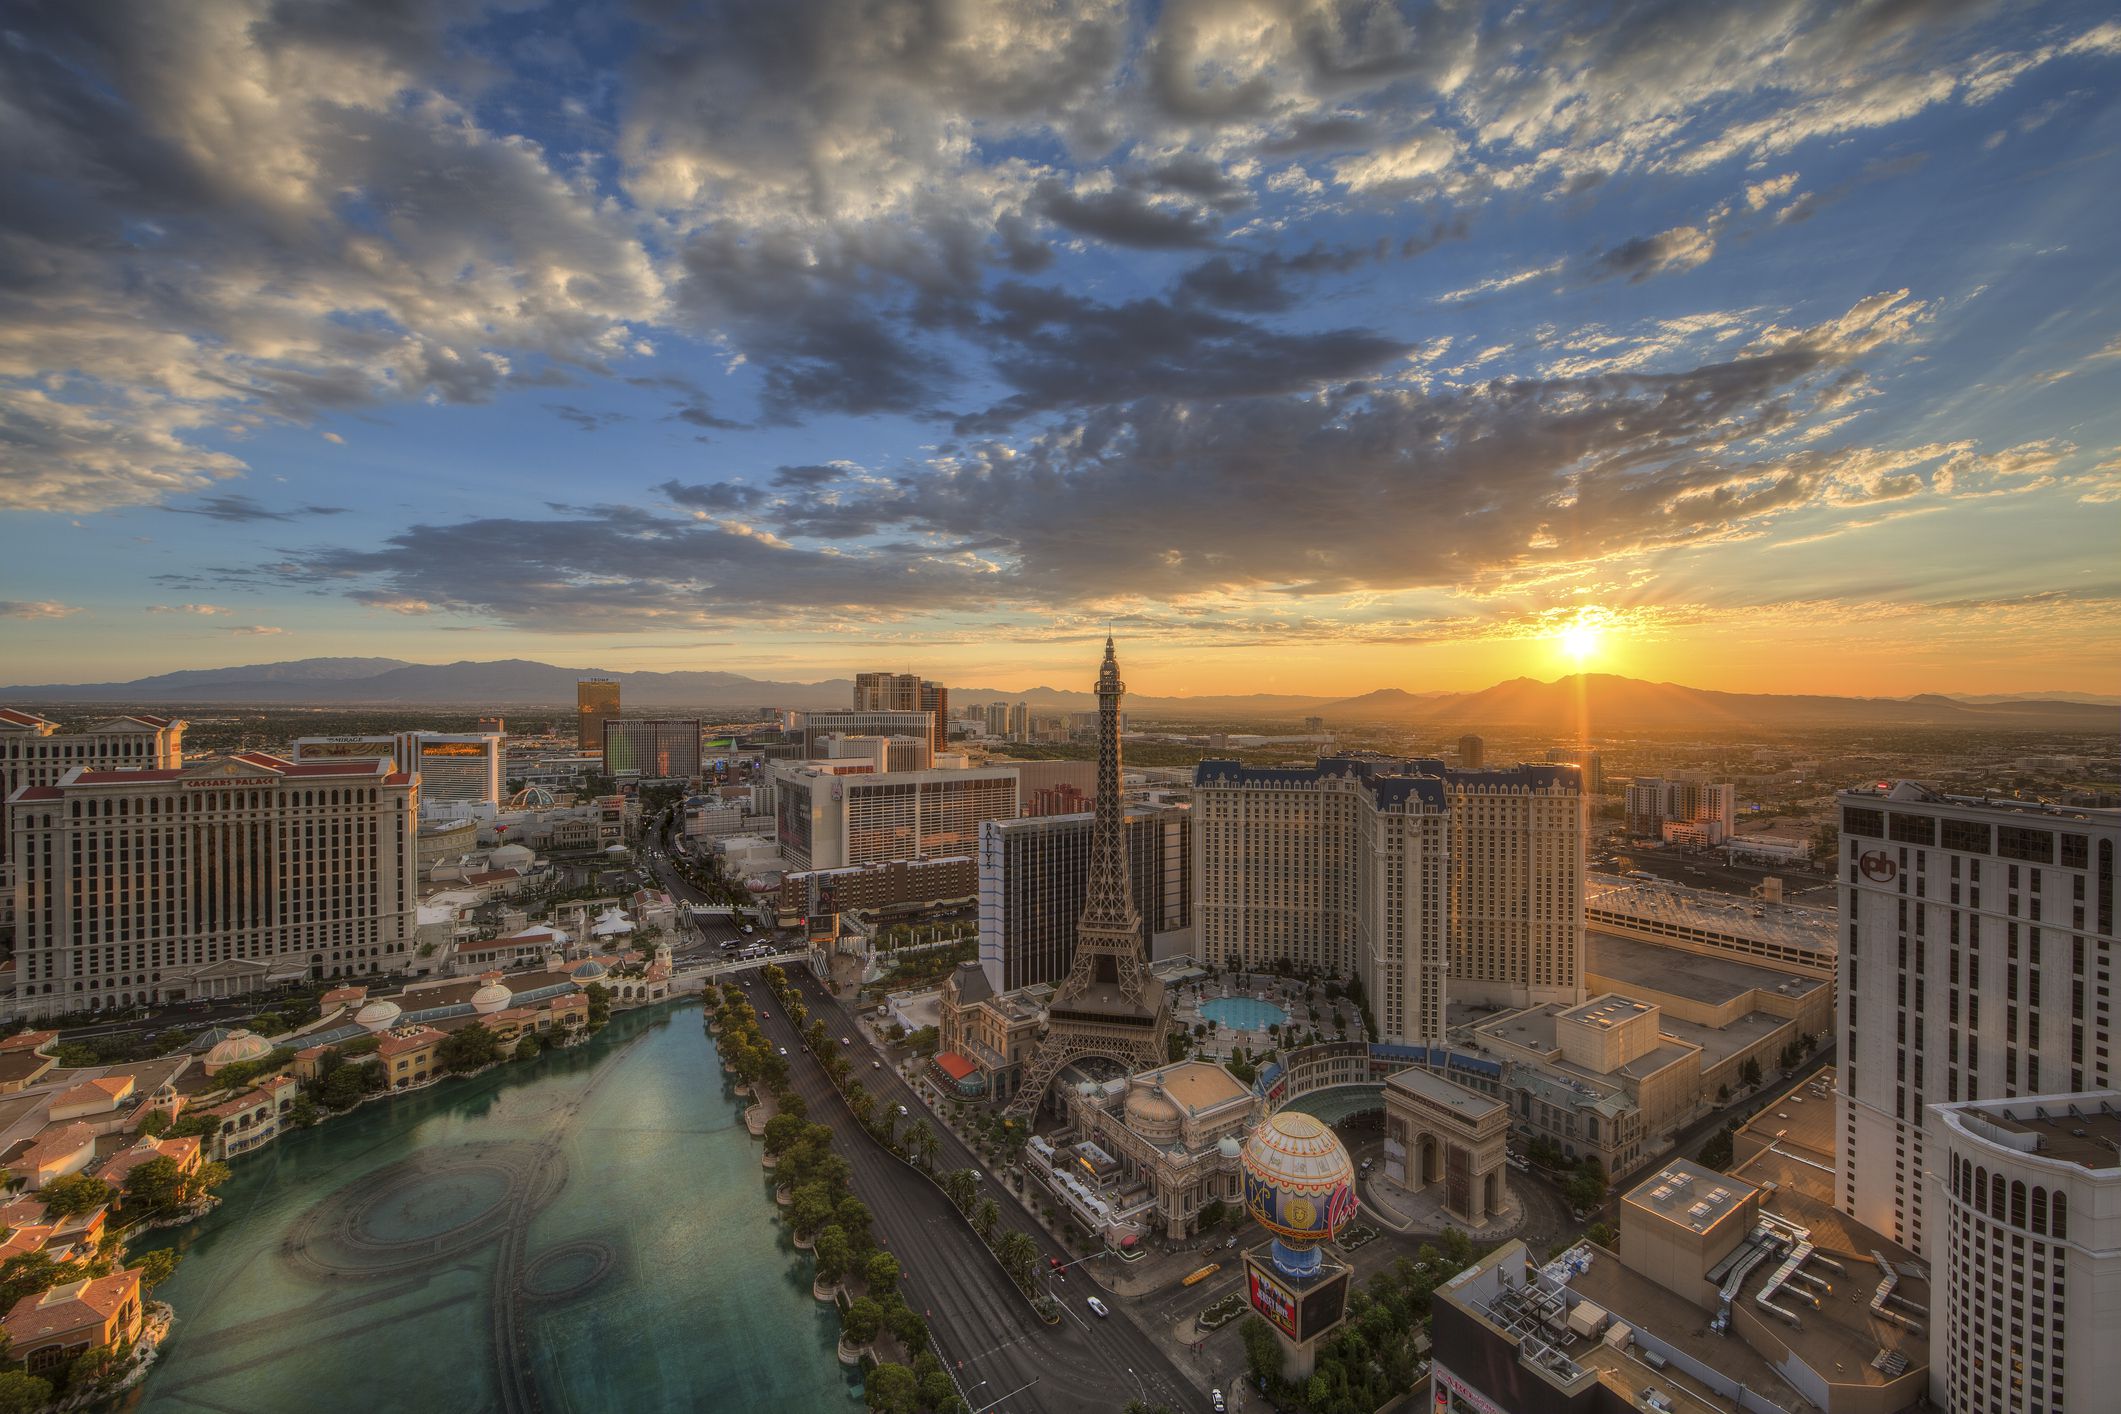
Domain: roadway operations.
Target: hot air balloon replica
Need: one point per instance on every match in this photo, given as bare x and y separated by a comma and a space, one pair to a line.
1300, 1187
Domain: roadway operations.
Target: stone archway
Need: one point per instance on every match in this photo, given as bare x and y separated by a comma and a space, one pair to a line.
1430, 1168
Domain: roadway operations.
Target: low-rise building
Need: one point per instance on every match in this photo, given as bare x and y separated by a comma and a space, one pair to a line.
58, 1150
49, 1330
408, 1056
252, 1119
1722, 1295
184, 1151
895, 885
1445, 1136
995, 1032
1785, 935
1175, 1134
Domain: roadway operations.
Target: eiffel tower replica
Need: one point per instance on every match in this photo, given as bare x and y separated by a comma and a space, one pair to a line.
1108, 1005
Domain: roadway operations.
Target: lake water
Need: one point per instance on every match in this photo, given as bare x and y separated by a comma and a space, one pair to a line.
589, 1231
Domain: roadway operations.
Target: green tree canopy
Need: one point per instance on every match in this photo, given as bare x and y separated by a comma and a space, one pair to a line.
74, 1195
862, 1320
881, 1273
891, 1389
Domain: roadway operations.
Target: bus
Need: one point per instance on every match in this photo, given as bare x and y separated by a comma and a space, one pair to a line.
1203, 1274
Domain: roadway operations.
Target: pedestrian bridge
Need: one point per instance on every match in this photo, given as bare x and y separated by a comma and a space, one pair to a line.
798, 957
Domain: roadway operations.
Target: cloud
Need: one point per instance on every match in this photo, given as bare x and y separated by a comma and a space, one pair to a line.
1681, 248
585, 419
203, 610
253, 631
1125, 218
1499, 283
37, 609
237, 509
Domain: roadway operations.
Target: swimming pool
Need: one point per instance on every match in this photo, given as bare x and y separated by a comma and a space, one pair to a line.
1243, 1013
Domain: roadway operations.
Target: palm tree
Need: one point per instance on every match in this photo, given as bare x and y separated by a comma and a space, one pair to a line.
1018, 1253
921, 1140
985, 1217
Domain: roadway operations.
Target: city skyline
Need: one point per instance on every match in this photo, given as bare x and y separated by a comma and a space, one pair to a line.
1311, 352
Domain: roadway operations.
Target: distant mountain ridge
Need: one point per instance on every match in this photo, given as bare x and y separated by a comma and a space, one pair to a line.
1598, 702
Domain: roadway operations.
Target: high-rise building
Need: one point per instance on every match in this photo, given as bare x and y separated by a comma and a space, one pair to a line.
887, 692
1693, 813
997, 719
934, 699
2026, 1197
492, 726
1976, 964
1592, 763
652, 748
881, 722
884, 753
1034, 877
154, 885
1110, 1004
34, 752
1020, 722
828, 818
596, 701
1472, 752
1392, 872
454, 767
906, 692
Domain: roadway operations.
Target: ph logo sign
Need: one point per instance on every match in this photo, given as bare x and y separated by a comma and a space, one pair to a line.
1878, 867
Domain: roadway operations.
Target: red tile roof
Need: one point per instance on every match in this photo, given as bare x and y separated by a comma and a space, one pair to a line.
23, 719
40, 793
76, 1305
954, 1065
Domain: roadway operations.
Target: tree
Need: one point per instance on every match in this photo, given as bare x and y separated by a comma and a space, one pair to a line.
985, 1217
158, 1266
75, 1195
22, 1393
908, 1327
891, 1389
1602, 1234
782, 1131
1018, 1254
862, 1320
1213, 1214
833, 1253
1749, 1074
1586, 1186
810, 1208
921, 1141
881, 1274
1718, 1152
157, 1188
961, 1188
1262, 1351
529, 1046
155, 1125
27, 1274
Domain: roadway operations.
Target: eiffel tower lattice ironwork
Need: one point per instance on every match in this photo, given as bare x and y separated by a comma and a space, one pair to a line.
1109, 1004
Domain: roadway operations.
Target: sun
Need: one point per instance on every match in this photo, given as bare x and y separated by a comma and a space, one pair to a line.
1580, 641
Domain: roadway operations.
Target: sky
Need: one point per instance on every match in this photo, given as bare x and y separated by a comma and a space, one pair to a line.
1308, 347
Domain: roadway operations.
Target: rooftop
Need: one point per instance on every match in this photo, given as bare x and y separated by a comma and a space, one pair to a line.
1922, 793
1434, 1088
1199, 1086
2083, 1129
1608, 1010
1685, 1193
1700, 977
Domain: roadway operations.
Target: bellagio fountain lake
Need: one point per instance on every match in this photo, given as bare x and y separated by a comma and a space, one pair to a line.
588, 1231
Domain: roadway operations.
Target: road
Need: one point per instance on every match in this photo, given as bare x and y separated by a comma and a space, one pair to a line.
1003, 1355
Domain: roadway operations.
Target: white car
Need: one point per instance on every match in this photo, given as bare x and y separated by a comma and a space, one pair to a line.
1099, 1307
784, 1050
904, 1111
1215, 1397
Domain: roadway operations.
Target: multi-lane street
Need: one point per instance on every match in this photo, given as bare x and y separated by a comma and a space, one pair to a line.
1004, 1357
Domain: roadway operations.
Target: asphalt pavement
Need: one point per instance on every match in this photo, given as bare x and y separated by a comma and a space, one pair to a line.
1004, 1357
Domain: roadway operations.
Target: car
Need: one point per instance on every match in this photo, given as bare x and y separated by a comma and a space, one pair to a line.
1215, 1400
1366, 1165
1054, 1262
784, 1050
1099, 1307
904, 1111
876, 1065
975, 1174
846, 1040
1231, 1243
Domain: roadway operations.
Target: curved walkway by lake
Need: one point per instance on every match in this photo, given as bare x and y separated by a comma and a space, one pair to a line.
584, 1232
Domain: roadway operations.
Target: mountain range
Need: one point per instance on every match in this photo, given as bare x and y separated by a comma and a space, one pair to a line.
1603, 702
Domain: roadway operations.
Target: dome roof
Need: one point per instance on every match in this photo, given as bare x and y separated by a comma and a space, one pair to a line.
508, 856
378, 1016
239, 1045
1152, 1114
491, 998
590, 971
1299, 1183
1229, 1146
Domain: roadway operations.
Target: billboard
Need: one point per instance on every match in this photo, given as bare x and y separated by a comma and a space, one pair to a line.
1271, 1299
348, 749
454, 748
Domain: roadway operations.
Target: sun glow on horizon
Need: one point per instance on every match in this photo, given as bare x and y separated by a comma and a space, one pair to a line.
1581, 641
